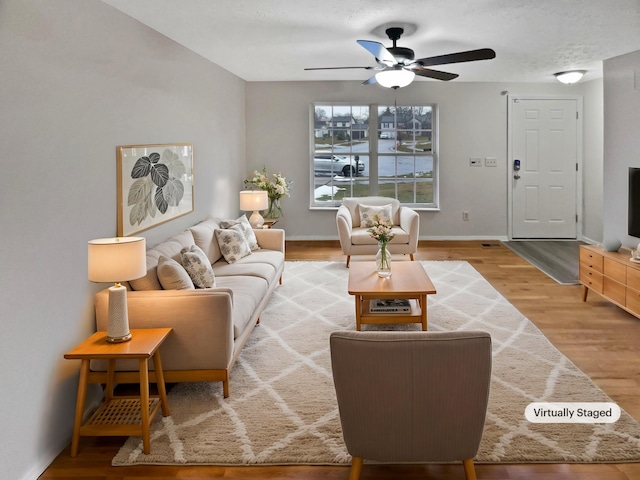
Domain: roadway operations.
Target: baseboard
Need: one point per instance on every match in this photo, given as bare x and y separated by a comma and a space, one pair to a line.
323, 238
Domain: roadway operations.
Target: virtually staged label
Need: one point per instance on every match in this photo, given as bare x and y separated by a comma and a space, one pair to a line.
572, 412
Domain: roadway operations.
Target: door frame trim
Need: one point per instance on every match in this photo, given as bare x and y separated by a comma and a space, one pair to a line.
511, 98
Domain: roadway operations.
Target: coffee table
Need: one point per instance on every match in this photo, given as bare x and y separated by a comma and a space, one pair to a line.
408, 280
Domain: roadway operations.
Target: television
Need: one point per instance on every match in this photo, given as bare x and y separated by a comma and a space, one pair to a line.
634, 202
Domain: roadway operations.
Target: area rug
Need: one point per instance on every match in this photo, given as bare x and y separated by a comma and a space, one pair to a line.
559, 259
282, 407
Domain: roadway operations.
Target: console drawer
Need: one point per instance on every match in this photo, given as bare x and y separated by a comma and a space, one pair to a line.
633, 301
591, 260
614, 290
633, 278
591, 279
615, 270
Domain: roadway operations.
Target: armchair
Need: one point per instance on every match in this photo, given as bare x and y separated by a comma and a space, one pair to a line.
412, 396
355, 240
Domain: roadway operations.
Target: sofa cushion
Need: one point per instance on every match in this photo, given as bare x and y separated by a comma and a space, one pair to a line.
172, 275
246, 229
371, 215
197, 265
360, 236
203, 236
169, 248
248, 292
241, 268
232, 243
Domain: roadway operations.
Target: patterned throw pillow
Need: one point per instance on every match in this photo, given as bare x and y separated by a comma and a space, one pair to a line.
232, 244
197, 265
246, 229
172, 275
370, 215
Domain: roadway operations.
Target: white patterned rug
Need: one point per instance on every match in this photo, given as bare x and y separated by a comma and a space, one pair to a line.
282, 408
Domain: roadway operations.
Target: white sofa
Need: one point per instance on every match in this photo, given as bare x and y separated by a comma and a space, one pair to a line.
355, 240
210, 325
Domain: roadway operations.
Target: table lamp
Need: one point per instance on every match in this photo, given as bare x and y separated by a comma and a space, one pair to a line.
117, 260
254, 200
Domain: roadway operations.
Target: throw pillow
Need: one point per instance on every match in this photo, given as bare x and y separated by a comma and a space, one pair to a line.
232, 244
172, 275
245, 228
371, 215
197, 265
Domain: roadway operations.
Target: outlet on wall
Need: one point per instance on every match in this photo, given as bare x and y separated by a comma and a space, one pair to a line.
475, 162
465, 216
490, 162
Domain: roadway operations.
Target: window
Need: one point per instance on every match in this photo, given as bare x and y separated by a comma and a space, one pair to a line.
400, 161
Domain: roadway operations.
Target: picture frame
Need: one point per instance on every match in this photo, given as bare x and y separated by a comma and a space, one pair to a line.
154, 185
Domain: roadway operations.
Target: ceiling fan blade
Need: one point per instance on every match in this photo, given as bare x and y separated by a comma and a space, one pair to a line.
468, 56
437, 74
379, 51
369, 81
338, 68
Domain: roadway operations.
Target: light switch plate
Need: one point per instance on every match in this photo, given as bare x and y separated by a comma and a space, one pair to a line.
490, 162
475, 162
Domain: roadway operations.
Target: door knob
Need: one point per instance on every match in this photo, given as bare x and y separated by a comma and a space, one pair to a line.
516, 176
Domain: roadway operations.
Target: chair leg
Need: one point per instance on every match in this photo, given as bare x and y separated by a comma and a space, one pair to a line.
348, 260
469, 469
356, 468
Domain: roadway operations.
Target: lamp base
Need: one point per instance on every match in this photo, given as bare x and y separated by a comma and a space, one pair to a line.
126, 338
256, 220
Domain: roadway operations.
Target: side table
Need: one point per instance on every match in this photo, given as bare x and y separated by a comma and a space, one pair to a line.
120, 415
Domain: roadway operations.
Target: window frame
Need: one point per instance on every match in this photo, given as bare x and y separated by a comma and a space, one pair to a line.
373, 154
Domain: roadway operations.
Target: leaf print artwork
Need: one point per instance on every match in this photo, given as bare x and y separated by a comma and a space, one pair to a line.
155, 185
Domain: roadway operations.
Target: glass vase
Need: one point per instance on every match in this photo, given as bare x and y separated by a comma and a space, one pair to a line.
383, 260
274, 211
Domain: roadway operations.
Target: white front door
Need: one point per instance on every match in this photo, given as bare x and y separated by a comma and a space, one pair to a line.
543, 167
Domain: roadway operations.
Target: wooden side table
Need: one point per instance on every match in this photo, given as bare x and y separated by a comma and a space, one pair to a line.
120, 415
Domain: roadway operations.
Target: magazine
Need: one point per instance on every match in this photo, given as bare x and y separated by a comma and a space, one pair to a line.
391, 305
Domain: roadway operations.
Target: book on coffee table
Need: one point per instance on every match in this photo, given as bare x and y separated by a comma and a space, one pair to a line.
390, 305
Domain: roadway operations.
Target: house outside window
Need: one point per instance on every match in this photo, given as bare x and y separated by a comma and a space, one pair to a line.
362, 150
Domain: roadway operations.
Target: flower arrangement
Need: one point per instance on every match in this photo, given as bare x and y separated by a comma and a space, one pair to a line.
381, 231
276, 188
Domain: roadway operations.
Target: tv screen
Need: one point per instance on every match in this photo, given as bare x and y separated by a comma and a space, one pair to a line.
634, 202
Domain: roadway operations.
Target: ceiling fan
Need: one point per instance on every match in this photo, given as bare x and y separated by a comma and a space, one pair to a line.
397, 66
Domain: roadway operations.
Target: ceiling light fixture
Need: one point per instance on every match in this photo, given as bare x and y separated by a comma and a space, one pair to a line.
396, 77
570, 76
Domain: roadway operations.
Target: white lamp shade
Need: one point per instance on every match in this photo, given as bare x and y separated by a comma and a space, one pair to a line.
395, 78
572, 76
117, 259
252, 200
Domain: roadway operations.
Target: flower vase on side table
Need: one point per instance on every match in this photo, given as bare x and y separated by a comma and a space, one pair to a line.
383, 260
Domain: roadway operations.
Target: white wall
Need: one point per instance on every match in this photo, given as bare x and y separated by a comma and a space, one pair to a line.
621, 141
473, 123
79, 78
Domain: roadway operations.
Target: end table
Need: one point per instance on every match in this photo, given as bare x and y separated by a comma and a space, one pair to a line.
120, 415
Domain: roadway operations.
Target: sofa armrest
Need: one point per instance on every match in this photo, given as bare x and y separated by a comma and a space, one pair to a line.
270, 238
202, 322
410, 223
345, 227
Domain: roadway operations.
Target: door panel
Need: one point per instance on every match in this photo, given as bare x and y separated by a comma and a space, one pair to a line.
544, 190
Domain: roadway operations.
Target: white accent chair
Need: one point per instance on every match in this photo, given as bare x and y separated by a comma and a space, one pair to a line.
355, 240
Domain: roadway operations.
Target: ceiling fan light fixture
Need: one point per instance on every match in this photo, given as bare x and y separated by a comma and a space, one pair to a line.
395, 78
570, 76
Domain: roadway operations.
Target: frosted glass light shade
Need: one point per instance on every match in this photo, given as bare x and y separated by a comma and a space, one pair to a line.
571, 76
117, 259
396, 78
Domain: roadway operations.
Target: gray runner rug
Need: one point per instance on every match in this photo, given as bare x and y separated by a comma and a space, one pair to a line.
559, 259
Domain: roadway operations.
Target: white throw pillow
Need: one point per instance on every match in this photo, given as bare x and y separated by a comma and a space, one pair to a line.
172, 275
233, 244
371, 215
197, 265
246, 229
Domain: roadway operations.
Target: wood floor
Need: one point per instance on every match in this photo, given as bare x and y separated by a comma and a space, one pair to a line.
599, 338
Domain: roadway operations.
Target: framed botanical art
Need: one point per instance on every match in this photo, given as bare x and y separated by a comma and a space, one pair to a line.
155, 185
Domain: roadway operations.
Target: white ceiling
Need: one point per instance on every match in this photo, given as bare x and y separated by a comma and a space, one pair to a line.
274, 40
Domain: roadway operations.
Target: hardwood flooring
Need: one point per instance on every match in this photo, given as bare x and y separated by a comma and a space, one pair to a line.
601, 339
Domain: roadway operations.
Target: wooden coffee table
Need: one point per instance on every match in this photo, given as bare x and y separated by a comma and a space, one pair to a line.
408, 280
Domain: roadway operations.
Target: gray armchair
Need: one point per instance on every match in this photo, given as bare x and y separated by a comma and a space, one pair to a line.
412, 396
354, 238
